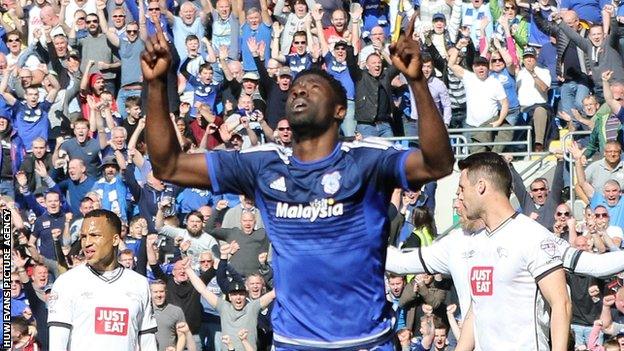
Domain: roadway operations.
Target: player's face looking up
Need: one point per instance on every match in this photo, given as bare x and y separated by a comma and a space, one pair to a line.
312, 107
99, 242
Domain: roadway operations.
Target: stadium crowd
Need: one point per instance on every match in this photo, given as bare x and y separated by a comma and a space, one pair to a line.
72, 133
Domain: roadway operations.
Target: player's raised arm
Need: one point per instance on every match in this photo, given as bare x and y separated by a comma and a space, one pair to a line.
435, 159
168, 161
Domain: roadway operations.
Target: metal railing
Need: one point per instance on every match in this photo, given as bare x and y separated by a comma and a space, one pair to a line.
461, 145
568, 157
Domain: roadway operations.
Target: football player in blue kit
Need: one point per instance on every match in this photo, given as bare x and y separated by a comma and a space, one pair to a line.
324, 202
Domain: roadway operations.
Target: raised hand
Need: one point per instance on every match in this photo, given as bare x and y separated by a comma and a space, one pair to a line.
21, 178
234, 247
224, 250
20, 262
40, 169
156, 59
221, 204
608, 300
252, 44
56, 233
262, 258
185, 245
606, 75
450, 309
405, 53
242, 334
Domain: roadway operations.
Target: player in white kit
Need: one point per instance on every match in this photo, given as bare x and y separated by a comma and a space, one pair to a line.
503, 267
101, 305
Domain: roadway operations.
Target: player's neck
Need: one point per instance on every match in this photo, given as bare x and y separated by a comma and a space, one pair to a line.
313, 149
105, 266
496, 212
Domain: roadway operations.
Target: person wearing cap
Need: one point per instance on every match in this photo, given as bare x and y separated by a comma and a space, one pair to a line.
533, 85
336, 65
486, 101
112, 189
11, 156
236, 312
273, 90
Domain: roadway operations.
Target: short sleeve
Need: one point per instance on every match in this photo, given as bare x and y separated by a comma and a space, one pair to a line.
544, 76
232, 172
392, 168
499, 90
434, 258
60, 305
543, 254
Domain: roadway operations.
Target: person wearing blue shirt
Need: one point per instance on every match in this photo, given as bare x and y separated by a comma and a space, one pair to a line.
301, 59
112, 189
375, 13
324, 203
587, 10
336, 65
205, 90
31, 116
257, 26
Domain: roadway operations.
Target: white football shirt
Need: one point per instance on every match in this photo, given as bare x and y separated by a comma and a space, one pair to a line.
103, 313
504, 268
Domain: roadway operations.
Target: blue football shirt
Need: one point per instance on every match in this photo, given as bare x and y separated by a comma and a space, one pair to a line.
327, 221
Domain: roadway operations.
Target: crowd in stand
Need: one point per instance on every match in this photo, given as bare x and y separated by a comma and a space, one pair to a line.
72, 134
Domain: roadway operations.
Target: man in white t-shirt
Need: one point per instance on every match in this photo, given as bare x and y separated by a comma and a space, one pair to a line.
533, 83
511, 265
101, 305
486, 101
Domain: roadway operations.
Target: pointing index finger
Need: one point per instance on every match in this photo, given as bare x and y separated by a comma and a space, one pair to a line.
410, 26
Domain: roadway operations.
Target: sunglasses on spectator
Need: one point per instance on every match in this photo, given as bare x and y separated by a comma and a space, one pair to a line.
92, 21
13, 40
601, 215
205, 261
538, 189
509, 8
559, 214
494, 60
153, 8
117, 16
16, 281
299, 42
282, 129
132, 31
